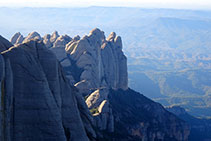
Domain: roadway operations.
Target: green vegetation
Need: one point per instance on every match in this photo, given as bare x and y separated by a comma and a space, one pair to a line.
94, 110
190, 89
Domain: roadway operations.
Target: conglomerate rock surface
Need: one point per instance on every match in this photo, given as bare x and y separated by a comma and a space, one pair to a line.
97, 66
37, 101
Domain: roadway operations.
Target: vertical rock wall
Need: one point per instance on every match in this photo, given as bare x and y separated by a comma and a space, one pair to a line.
37, 101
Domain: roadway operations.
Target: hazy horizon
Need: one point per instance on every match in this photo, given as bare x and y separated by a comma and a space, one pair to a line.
173, 4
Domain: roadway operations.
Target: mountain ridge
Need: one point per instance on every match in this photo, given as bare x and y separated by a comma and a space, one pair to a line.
107, 119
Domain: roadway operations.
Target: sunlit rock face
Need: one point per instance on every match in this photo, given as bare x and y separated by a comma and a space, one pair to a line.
37, 101
102, 61
98, 61
33, 35
61, 41
102, 66
97, 67
17, 38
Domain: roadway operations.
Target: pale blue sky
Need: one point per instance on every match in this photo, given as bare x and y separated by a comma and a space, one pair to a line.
184, 4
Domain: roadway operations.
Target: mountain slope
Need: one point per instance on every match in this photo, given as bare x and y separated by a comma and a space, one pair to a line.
200, 128
98, 68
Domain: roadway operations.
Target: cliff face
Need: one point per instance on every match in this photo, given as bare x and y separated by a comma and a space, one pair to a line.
98, 68
101, 61
91, 62
37, 102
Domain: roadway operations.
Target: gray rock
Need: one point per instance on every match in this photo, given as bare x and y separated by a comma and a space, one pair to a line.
32, 35
46, 41
85, 116
103, 61
5, 93
97, 97
54, 36
76, 38
62, 56
104, 119
96, 63
83, 87
37, 97
61, 41
103, 65
4, 44
103, 115
17, 38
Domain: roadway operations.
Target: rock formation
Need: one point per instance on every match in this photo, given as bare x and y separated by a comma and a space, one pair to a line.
17, 38
101, 109
61, 41
101, 61
37, 102
98, 68
33, 35
54, 36
49, 40
4, 44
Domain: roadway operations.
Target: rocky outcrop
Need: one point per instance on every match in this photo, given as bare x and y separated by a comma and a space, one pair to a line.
4, 44
33, 35
128, 115
37, 101
17, 38
115, 63
98, 64
102, 61
47, 41
61, 41
97, 67
100, 108
54, 36
54, 40
103, 67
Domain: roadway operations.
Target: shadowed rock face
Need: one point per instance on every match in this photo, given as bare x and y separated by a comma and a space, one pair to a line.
4, 44
118, 112
100, 61
37, 102
139, 118
98, 68
17, 38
